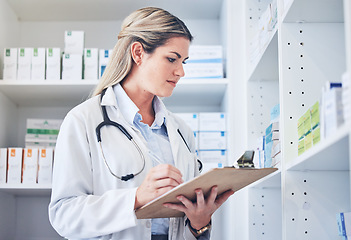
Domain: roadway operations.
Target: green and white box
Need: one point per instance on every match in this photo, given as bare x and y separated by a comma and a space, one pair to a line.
74, 42
3, 165
104, 57
72, 67
10, 63
91, 63
45, 165
38, 64
30, 165
53, 63
24, 63
14, 174
42, 129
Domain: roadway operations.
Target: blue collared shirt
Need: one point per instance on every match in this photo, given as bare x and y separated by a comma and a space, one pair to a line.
156, 137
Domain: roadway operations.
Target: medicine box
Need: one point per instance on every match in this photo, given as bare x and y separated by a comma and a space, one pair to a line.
42, 129
344, 223
205, 53
212, 121
14, 172
24, 63
45, 165
30, 165
10, 64
74, 42
72, 67
53, 63
3, 165
212, 140
38, 64
104, 57
191, 119
212, 159
203, 70
91, 63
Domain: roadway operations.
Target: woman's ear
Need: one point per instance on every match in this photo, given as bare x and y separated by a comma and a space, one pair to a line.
137, 52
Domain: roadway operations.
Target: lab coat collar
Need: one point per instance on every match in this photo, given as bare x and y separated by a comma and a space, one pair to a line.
109, 99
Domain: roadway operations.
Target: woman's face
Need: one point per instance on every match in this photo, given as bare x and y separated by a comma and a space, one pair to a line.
161, 70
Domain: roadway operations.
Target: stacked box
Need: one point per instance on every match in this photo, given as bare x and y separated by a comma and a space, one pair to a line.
346, 96
14, 171
91, 63
104, 57
42, 132
204, 62
74, 42
24, 63
333, 109
212, 139
53, 63
30, 165
45, 165
308, 128
72, 66
3, 165
38, 64
192, 120
272, 144
10, 63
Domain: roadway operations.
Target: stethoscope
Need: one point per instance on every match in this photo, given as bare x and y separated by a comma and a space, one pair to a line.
108, 122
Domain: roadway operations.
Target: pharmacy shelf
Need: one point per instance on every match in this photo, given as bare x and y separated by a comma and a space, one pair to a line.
330, 154
60, 93
26, 189
314, 11
108, 10
267, 63
272, 180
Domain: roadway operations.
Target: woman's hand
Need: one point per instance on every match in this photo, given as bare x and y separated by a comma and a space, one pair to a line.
158, 181
200, 212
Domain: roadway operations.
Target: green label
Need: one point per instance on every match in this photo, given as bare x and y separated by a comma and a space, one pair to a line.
43, 131
50, 52
35, 53
8, 52
69, 33
22, 52
88, 53
67, 56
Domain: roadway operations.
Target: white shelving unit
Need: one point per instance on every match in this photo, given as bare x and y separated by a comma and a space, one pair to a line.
310, 46
33, 23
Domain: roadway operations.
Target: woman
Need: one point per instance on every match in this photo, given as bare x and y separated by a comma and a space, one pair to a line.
98, 185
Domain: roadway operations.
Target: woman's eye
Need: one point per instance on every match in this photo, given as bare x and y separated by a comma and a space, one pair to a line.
171, 60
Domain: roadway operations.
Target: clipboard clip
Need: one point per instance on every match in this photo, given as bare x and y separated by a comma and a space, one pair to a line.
246, 160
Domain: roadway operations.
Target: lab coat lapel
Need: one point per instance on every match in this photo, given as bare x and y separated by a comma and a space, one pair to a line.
175, 141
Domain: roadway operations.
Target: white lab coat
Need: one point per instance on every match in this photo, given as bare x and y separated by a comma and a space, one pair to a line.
87, 202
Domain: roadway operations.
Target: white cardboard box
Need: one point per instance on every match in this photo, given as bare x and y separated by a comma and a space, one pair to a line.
53, 63
212, 159
203, 70
72, 67
24, 63
14, 174
104, 57
38, 64
3, 165
10, 63
191, 119
205, 53
30, 165
74, 42
212, 121
91, 63
212, 140
45, 165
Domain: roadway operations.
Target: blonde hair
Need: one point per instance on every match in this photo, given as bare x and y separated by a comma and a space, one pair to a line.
150, 26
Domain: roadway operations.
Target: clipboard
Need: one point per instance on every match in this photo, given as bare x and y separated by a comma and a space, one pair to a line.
225, 178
